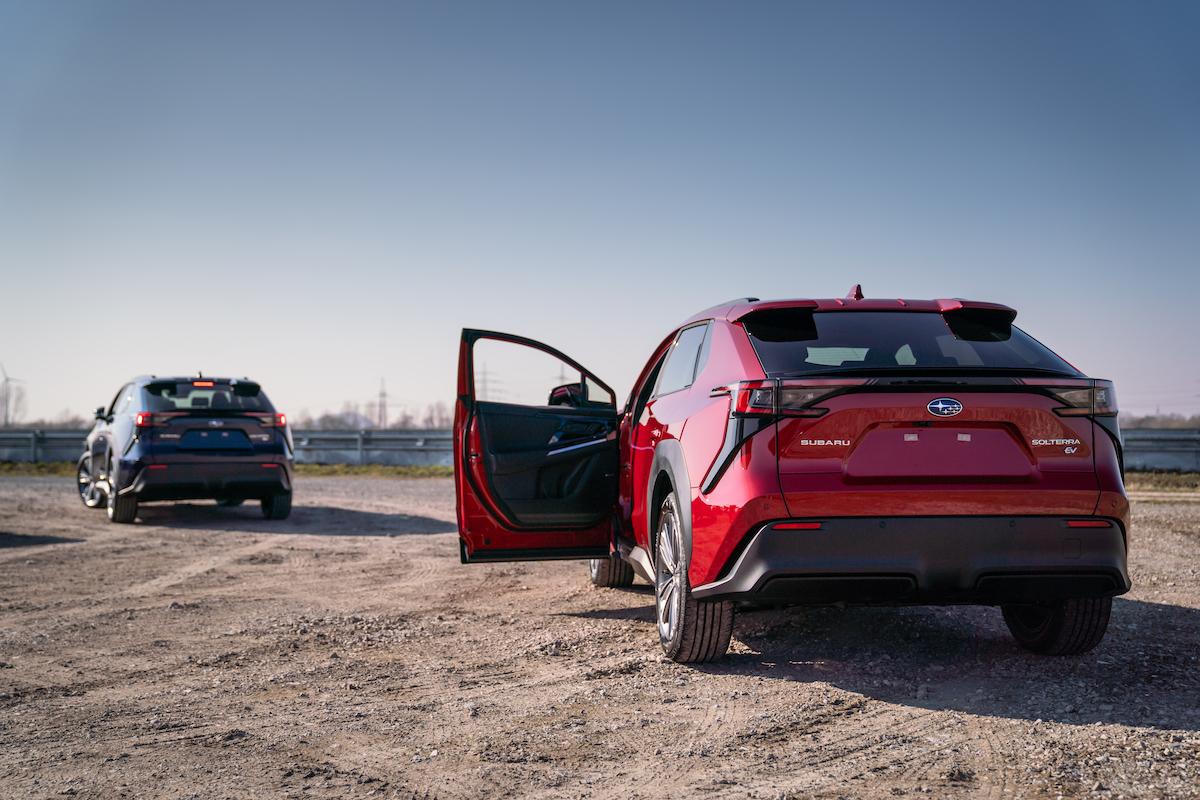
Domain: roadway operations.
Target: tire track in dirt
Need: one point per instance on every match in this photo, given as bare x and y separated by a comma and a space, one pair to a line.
200, 566
115, 534
868, 748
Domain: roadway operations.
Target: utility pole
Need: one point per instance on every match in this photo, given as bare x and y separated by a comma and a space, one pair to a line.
382, 405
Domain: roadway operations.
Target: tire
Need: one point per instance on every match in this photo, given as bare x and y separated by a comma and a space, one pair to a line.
90, 492
122, 508
226, 502
612, 572
277, 506
691, 631
1067, 628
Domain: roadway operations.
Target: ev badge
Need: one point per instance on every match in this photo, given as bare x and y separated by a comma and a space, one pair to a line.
944, 407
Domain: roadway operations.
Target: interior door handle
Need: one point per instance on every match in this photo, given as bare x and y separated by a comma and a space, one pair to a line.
579, 446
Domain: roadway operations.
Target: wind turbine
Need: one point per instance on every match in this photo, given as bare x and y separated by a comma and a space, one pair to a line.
6, 390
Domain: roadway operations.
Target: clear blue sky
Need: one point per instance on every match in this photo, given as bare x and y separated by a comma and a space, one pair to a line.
320, 195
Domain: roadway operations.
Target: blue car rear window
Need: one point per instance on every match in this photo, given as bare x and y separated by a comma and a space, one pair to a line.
176, 396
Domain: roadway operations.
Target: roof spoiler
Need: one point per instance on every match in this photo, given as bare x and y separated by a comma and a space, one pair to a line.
775, 306
990, 311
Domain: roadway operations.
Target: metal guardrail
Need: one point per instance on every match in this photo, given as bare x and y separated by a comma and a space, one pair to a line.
1145, 448
1162, 448
17, 445
396, 448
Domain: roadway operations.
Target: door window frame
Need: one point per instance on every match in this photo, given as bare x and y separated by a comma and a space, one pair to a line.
701, 354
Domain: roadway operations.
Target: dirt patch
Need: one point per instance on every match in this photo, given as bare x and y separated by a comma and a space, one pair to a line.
207, 652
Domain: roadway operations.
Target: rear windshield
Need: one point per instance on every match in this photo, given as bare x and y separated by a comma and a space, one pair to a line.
803, 342
172, 396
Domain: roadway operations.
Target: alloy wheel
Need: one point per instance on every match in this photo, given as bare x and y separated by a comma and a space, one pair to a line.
89, 490
668, 591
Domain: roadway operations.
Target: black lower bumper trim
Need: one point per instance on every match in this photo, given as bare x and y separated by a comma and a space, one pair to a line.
983, 560
235, 480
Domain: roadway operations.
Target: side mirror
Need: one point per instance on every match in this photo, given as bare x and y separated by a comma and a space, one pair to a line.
100, 415
569, 394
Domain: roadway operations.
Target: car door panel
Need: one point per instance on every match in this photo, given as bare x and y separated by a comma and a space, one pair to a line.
531, 455
532, 482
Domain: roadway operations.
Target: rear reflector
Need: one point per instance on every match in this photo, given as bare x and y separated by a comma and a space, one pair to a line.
268, 466
157, 466
797, 526
1088, 523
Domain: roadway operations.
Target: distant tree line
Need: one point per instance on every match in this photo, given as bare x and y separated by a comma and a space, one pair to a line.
1175, 421
366, 417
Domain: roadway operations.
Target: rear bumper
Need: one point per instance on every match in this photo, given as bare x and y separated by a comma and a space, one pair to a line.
232, 479
973, 559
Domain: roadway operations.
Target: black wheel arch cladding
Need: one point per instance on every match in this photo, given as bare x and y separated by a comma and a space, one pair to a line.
668, 461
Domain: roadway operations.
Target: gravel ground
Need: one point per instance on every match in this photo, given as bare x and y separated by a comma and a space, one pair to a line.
205, 652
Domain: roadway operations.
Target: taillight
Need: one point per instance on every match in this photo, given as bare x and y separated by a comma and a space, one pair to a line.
272, 420
1098, 400
155, 419
783, 397
749, 397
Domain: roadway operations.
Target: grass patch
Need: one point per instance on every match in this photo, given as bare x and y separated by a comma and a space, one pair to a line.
1158, 481
373, 471
67, 469
1134, 481
24, 468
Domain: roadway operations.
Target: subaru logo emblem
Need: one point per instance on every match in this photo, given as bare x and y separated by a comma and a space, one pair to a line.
944, 407
215, 423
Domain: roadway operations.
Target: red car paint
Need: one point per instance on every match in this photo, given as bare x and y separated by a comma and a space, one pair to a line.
873, 451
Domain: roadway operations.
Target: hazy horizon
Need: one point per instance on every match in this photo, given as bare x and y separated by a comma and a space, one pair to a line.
320, 196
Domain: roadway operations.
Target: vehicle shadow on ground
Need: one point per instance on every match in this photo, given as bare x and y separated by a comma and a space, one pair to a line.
1145, 673
24, 540
308, 520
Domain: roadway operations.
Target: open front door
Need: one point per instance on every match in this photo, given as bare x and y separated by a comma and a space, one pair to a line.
535, 452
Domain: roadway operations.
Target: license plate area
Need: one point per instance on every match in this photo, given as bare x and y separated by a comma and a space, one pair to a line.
215, 440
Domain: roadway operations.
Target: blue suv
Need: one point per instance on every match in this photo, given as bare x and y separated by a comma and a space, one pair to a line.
187, 439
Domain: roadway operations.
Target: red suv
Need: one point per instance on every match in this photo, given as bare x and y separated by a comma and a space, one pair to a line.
809, 452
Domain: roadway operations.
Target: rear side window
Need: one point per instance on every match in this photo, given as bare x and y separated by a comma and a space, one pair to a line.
799, 342
123, 402
679, 370
205, 396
